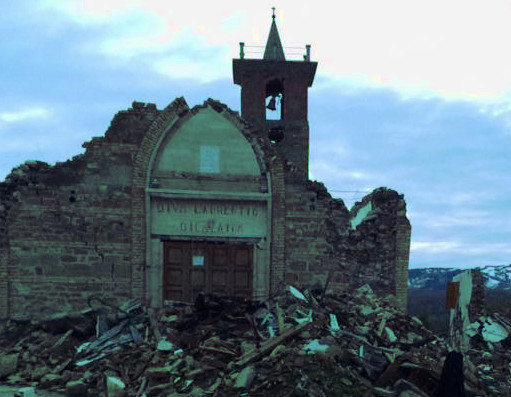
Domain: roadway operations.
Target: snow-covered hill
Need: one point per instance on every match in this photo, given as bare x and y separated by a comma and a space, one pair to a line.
496, 277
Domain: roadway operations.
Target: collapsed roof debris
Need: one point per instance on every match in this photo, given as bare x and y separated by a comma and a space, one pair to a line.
298, 343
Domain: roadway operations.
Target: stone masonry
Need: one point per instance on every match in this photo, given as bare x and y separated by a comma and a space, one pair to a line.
67, 231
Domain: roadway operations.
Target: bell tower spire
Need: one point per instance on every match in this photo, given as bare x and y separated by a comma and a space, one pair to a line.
274, 99
274, 50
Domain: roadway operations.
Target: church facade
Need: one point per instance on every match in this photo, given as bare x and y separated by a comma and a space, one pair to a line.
172, 202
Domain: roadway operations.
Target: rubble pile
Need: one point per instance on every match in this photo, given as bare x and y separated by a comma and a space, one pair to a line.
300, 343
490, 353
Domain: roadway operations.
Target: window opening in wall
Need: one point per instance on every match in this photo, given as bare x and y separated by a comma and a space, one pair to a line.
274, 101
275, 134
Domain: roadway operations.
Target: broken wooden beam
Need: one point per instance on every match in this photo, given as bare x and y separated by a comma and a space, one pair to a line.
270, 344
364, 341
63, 338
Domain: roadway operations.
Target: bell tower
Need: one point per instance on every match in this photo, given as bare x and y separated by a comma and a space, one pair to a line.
274, 98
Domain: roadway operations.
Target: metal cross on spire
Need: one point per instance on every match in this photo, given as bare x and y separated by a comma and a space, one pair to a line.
273, 16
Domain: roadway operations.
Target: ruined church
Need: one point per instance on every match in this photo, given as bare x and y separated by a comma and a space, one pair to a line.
177, 201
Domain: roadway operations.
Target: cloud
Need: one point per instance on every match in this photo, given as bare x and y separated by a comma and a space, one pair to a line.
390, 45
90, 12
452, 56
434, 247
471, 217
24, 114
459, 254
153, 36
328, 170
432, 137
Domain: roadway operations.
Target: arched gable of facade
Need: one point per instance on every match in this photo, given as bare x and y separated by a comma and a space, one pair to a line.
201, 189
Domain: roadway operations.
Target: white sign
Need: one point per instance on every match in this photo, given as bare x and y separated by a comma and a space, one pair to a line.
198, 260
209, 159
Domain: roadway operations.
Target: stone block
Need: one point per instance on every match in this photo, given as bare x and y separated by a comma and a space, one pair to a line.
299, 265
115, 387
76, 388
26, 392
54, 269
49, 380
122, 270
291, 278
68, 258
8, 364
245, 378
79, 270
101, 270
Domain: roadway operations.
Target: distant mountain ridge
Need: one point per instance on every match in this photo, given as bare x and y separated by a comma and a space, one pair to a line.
435, 279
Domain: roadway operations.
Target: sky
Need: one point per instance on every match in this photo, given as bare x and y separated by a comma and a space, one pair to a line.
411, 95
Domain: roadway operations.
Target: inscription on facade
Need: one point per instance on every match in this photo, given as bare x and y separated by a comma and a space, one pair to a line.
202, 208
210, 227
208, 217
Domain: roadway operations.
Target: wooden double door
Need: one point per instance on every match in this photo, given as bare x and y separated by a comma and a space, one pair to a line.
212, 267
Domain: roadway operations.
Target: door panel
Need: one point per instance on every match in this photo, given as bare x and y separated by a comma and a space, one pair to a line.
219, 278
242, 257
220, 256
175, 255
175, 275
223, 269
241, 279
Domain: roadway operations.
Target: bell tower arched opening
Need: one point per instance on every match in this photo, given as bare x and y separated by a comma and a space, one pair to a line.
274, 99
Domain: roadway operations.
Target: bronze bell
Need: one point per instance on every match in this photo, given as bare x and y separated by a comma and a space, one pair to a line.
271, 104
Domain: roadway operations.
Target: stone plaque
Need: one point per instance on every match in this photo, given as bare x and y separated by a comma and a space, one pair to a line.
208, 218
209, 159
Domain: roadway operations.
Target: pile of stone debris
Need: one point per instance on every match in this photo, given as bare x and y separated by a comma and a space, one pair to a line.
300, 343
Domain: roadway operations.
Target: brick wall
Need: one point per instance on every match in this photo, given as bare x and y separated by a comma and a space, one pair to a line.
321, 243
66, 242
65, 230
379, 246
79, 228
403, 238
309, 255
4, 258
278, 203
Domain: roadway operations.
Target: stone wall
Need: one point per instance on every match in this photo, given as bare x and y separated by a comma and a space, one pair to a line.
378, 246
65, 230
477, 307
78, 228
310, 251
323, 240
